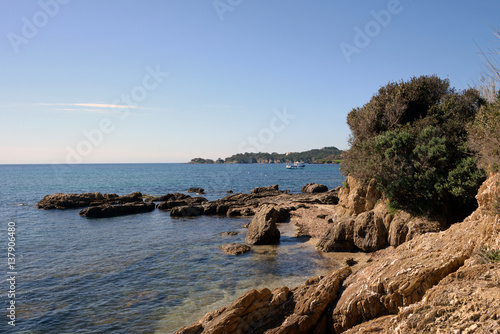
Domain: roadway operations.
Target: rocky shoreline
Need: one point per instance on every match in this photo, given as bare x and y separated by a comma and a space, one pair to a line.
420, 276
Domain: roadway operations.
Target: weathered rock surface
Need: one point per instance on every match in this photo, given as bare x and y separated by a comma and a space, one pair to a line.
235, 249
283, 310
314, 188
71, 201
262, 230
107, 211
339, 238
399, 277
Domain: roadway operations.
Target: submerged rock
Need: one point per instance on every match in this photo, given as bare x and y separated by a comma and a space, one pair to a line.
107, 211
196, 190
235, 249
262, 230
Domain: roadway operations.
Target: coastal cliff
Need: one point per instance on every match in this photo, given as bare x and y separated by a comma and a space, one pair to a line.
427, 281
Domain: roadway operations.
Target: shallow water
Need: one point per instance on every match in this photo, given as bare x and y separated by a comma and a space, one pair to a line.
146, 273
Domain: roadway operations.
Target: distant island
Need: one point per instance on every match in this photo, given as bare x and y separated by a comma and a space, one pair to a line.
326, 155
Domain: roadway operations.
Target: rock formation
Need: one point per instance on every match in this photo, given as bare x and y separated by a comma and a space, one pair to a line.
262, 230
314, 188
199, 191
435, 282
235, 249
107, 211
72, 201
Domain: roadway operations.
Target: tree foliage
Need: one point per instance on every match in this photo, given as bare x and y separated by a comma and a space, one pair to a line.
412, 138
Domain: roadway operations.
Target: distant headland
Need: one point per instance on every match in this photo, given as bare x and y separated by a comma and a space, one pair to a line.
325, 155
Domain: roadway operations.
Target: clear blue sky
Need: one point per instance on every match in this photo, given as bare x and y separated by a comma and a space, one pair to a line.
243, 75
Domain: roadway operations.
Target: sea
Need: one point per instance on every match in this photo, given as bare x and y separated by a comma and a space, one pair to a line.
145, 273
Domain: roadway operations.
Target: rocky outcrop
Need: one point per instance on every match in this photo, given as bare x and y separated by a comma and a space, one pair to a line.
235, 249
72, 201
168, 197
186, 211
283, 310
259, 190
373, 227
438, 282
262, 230
174, 200
314, 188
199, 191
107, 211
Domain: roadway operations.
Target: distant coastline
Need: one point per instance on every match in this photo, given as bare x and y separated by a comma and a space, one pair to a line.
325, 155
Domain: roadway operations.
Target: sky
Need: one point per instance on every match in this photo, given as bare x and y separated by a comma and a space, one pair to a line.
125, 81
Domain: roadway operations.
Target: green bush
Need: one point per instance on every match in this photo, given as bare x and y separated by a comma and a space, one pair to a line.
484, 135
412, 138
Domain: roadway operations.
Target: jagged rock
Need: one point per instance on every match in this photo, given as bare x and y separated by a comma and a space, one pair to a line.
282, 310
71, 201
196, 190
259, 190
186, 211
370, 233
262, 230
355, 197
235, 249
107, 211
314, 188
229, 192
339, 238
372, 195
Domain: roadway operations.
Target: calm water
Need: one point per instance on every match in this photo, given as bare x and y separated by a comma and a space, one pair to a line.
144, 273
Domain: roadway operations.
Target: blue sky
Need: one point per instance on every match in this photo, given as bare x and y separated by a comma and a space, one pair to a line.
86, 81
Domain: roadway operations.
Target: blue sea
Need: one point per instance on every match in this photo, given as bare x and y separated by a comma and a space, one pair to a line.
146, 273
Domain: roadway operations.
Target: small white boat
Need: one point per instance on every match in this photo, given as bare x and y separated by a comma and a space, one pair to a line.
296, 165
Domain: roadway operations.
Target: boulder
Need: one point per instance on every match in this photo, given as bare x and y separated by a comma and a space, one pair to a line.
196, 190
107, 211
339, 237
186, 211
370, 233
235, 249
262, 230
314, 188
